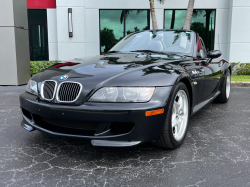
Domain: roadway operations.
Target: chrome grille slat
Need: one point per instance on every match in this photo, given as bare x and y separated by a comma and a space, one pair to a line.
68, 91
74, 88
48, 89
64, 94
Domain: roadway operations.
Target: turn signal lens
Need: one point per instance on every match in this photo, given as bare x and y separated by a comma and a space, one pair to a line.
154, 112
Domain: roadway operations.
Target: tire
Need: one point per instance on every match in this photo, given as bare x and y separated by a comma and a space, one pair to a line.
169, 136
223, 97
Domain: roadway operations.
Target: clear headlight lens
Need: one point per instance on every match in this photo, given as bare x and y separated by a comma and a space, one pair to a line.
32, 87
123, 94
110, 93
131, 94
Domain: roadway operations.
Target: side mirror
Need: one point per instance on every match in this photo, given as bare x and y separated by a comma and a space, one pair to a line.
214, 54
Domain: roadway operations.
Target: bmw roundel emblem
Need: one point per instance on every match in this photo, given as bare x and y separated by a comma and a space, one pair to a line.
64, 77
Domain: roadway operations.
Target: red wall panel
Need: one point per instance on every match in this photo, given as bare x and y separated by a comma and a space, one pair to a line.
36, 4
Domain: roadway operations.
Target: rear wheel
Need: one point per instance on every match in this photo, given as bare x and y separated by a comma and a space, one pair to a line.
175, 128
225, 92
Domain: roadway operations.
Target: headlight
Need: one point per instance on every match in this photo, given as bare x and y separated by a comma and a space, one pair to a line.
32, 87
123, 94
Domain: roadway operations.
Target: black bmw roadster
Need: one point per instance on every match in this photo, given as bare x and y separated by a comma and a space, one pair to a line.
144, 89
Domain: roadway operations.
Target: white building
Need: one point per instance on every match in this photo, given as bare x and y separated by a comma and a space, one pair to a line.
226, 27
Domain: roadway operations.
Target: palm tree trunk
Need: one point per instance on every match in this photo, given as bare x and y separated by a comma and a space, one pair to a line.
188, 19
173, 20
152, 9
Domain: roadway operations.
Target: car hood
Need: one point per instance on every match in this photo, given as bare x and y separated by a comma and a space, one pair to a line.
120, 69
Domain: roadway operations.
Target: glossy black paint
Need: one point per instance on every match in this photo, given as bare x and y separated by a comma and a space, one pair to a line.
146, 129
214, 54
202, 77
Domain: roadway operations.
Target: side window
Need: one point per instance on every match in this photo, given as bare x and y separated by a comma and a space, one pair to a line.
201, 50
203, 45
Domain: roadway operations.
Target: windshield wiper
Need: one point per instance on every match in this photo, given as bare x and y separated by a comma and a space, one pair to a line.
114, 51
179, 55
152, 51
159, 52
149, 51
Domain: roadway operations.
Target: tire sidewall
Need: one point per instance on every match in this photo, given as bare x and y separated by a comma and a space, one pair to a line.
225, 86
168, 124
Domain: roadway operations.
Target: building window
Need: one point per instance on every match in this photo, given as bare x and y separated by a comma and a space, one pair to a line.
38, 37
203, 22
116, 24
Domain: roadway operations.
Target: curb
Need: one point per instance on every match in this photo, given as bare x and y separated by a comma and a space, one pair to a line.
240, 84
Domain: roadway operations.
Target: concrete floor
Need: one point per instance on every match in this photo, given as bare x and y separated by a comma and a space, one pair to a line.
215, 153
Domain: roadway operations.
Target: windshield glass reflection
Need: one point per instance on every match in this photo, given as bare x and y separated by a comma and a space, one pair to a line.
177, 41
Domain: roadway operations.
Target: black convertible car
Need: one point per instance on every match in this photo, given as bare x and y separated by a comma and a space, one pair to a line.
144, 89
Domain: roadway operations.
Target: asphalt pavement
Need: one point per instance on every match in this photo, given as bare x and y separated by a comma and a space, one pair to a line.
216, 152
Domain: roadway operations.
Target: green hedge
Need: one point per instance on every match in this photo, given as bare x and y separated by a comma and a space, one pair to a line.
37, 66
240, 68
244, 78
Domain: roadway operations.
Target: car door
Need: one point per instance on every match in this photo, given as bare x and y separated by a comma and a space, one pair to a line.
212, 72
196, 72
195, 68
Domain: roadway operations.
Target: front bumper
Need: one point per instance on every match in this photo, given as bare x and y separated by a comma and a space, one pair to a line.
144, 128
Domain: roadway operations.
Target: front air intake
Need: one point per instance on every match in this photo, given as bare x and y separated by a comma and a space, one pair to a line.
68, 92
72, 124
48, 90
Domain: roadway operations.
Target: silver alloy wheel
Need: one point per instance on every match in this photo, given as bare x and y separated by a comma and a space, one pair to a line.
180, 115
228, 85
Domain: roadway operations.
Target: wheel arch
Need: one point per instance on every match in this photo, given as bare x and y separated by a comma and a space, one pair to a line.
187, 82
230, 69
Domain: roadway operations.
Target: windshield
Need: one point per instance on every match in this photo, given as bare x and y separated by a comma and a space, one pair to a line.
162, 41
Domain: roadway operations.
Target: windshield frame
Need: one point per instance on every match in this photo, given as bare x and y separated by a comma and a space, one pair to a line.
192, 48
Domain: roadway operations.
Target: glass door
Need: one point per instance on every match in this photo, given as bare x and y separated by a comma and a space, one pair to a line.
38, 41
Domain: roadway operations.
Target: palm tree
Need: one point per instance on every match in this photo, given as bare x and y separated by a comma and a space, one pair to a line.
152, 10
188, 19
126, 13
107, 38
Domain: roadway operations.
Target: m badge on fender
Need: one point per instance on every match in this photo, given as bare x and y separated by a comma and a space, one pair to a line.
197, 73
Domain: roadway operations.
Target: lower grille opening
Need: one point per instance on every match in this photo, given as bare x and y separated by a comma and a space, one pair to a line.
83, 125
66, 126
121, 127
81, 128
27, 114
